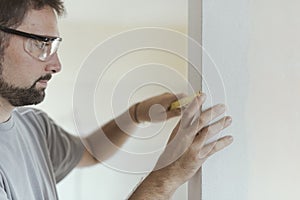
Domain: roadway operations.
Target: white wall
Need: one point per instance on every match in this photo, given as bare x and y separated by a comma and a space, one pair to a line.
273, 111
256, 47
226, 80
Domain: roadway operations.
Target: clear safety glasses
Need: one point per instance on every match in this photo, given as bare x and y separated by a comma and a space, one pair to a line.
38, 46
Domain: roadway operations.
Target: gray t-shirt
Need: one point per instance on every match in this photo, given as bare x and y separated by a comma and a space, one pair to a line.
35, 154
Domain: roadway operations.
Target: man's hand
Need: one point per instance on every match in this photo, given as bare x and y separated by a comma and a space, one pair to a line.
156, 109
187, 149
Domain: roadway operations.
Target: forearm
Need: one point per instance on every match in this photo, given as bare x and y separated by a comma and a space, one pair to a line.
119, 129
105, 141
156, 186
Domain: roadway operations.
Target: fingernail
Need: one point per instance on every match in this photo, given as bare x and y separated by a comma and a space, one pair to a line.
230, 139
228, 121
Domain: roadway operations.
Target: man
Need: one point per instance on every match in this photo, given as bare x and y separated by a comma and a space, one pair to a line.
36, 153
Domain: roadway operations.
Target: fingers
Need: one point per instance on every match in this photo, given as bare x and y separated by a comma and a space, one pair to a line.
213, 147
157, 107
173, 113
210, 114
188, 144
216, 127
191, 118
207, 133
170, 97
185, 125
190, 113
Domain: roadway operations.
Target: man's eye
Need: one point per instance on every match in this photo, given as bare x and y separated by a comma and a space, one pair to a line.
40, 44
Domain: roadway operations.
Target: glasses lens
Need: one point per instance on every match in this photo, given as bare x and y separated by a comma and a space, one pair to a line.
54, 46
41, 50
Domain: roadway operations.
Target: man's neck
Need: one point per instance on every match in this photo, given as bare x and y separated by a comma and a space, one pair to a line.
5, 110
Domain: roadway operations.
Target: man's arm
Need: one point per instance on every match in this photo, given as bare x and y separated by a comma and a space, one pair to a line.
186, 151
107, 140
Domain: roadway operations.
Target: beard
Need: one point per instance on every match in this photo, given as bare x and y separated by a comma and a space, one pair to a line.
18, 96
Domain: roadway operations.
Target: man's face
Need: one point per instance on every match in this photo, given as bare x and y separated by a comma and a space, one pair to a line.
23, 78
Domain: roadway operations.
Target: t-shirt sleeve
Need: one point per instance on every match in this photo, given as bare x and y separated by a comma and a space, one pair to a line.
65, 150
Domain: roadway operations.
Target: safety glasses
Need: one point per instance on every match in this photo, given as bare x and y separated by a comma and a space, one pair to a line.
38, 46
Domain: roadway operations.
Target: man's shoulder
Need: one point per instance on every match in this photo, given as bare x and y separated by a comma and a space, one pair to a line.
24, 110
32, 118
29, 112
